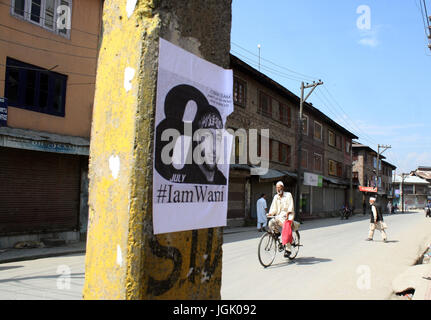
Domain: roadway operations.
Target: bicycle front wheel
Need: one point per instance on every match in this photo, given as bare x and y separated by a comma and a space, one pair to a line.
267, 250
295, 245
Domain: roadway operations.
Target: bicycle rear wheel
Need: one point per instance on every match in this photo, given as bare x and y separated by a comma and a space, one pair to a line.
295, 245
267, 250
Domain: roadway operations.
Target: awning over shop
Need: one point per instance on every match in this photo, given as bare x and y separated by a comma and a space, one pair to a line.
290, 174
337, 181
240, 167
272, 175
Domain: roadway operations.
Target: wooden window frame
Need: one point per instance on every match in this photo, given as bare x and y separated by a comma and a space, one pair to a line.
321, 131
24, 71
321, 162
329, 138
332, 172
236, 91
280, 153
288, 120
265, 113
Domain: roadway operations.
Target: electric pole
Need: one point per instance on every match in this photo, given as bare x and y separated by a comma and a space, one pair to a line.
258, 46
298, 198
402, 190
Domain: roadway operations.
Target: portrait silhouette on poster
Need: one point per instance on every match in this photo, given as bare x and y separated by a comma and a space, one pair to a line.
206, 117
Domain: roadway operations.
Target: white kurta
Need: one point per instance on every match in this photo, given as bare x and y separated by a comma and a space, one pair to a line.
261, 212
280, 206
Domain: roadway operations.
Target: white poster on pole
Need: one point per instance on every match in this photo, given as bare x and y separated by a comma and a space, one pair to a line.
192, 150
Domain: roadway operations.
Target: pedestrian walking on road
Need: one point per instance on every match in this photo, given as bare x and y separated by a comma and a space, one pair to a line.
389, 207
262, 210
376, 222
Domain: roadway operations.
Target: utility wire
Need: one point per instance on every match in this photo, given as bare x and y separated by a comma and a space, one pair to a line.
46, 50
44, 70
426, 13
281, 74
304, 76
342, 110
270, 70
69, 84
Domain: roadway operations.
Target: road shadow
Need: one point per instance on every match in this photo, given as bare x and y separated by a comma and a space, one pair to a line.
11, 267
241, 235
328, 222
302, 261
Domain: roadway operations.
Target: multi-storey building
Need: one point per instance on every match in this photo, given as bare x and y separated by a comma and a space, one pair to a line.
424, 173
262, 103
365, 175
412, 191
48, 60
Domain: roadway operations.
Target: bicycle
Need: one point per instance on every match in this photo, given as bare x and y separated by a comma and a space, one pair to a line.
345, 213
270, 243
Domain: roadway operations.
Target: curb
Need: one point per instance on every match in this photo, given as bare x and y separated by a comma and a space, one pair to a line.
40, 256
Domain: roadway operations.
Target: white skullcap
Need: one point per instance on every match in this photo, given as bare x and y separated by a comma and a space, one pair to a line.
279, 183
372, 199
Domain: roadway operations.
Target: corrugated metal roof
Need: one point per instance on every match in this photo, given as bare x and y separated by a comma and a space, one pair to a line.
410, 180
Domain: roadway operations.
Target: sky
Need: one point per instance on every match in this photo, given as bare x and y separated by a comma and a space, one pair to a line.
371, 55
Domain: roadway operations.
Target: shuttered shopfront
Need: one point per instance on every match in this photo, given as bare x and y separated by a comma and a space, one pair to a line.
39, 191
236, 200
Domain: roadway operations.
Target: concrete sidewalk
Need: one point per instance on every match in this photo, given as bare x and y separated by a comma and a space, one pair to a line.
13, 255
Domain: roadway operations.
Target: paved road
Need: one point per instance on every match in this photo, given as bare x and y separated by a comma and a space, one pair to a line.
334, 263
334, 259
58, 278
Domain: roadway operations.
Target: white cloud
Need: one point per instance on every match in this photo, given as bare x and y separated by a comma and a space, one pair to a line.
370, 38
369, 42
412, 160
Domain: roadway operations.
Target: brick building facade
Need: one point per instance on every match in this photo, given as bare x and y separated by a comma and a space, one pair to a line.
261, 103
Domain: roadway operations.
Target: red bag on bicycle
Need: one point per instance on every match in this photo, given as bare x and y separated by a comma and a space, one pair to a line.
286, 234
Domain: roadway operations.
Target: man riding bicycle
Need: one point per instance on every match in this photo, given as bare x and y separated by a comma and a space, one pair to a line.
282, 208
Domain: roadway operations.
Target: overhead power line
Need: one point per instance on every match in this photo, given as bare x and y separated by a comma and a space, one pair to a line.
301, 75
42, 70
46, 50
